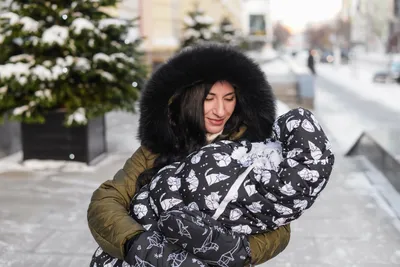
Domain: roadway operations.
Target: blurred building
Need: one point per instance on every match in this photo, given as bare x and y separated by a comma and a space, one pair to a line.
346, 9
370, 20
394, 28
4, 3
161, 21
344, 24
257, 22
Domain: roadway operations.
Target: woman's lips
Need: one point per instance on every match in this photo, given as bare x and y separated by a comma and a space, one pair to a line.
216, 122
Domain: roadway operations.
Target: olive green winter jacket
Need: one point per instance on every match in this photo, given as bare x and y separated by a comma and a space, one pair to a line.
112, 226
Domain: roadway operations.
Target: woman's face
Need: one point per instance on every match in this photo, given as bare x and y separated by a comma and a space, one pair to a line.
218, 106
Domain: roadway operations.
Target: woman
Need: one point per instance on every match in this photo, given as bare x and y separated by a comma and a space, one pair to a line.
238, 103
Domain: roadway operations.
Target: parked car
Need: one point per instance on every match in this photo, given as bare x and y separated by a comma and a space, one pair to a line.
327, 57
390, 74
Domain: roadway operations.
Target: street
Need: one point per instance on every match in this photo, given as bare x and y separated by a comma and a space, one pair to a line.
348, 102
369, 113
335, 102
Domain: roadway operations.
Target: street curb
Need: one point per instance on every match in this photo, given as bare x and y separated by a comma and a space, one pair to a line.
385, 189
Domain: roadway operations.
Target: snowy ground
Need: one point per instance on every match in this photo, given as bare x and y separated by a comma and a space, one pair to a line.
359, 78
348, 105
264, 54
278, 71
331, 237
351, 103
358, 82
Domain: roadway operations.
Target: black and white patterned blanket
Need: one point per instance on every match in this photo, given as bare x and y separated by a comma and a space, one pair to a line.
201, 209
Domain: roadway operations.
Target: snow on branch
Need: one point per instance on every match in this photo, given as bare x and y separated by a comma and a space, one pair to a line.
14, 18
55, 34
80, 24
105, 23
29, 24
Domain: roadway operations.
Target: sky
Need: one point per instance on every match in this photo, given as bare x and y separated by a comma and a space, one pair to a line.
297, 13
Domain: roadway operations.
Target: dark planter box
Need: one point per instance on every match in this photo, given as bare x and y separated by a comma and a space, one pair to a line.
53, 141
10, 138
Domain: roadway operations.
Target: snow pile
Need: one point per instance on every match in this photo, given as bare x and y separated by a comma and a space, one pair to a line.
268, 53
79, 117
13, 164
373, 58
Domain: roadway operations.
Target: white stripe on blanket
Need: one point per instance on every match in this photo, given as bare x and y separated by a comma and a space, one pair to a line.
232, 192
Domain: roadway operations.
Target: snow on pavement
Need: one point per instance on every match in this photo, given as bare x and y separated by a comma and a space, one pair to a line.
359, 80
342, 121
358, 77
339, 124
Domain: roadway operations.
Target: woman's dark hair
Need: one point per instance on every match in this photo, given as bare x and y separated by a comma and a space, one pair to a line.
186, 115
237, 118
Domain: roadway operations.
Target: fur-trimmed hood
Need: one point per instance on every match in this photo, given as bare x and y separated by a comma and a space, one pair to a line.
206, 63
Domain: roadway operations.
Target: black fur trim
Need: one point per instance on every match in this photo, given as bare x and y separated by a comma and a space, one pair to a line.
206, 63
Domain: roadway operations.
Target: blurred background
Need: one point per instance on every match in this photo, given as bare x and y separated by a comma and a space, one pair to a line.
71, 73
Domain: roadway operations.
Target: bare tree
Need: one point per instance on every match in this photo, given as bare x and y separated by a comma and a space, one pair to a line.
281, 35
319, 36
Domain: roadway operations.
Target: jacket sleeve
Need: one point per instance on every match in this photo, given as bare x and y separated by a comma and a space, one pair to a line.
266, 246
263, 247
108, 217
293, 129
152, 249
204, 237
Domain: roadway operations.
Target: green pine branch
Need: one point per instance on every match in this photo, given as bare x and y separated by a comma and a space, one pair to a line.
67, 55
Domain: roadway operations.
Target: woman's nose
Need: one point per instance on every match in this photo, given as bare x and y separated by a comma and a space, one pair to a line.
219, 109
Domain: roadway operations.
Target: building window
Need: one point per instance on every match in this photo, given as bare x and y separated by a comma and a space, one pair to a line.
257, 25
397, 8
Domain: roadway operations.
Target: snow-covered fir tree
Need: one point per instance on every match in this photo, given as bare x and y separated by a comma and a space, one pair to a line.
227, 31
67, 55
198, 27
228, 34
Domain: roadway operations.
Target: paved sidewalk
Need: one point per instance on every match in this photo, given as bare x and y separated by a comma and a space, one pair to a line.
43, 206
349, 225
352, 223
43, 214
